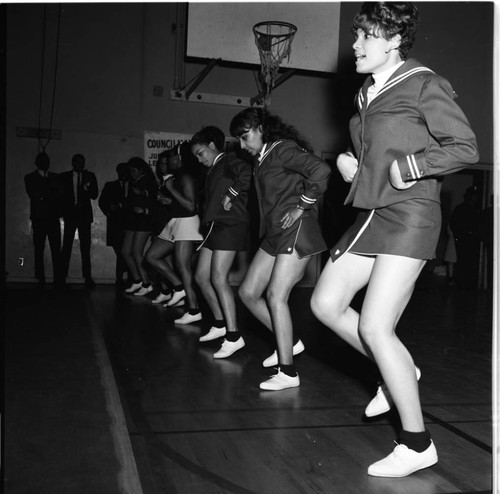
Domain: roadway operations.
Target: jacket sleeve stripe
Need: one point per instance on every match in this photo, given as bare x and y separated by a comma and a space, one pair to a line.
412, 165
307, 200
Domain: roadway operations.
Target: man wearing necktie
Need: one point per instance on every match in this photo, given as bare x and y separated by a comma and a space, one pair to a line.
80, 186
45, 193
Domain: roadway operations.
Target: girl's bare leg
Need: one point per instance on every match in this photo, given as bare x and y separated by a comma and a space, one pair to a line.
255, 283
391, 286
222, 260
288, 270
183, 261
338, 284
202, 278
138, 243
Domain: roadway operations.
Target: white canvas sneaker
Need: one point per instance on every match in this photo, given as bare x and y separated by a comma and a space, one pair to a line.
162, 298
144, 290
403, 461
133, 287
229, 347
213, 334
272, 360
280, 381
382, 401
188, 318
176, 298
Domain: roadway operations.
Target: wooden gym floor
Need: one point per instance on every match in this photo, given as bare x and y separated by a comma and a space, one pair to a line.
103, 394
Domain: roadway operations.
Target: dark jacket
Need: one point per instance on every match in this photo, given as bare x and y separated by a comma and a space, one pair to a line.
229, 176
113, 194
414, 120
142, 194
82, 210
288, 176
45, 195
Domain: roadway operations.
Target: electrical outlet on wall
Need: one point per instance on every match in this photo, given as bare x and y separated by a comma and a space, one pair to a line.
20, 261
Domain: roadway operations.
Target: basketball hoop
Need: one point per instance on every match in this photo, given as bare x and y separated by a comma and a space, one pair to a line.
274, 41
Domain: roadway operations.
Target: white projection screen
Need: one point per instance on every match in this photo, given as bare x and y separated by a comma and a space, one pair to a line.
224, 31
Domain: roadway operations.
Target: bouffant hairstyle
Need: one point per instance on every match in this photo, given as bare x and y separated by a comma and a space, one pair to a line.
387, 19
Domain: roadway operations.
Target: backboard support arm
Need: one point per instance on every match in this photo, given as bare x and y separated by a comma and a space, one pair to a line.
280, 80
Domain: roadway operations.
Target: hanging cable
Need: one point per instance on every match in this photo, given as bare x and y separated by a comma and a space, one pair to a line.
41, 76
56, 63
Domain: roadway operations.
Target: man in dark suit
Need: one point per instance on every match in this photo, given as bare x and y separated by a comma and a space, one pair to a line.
111, 202
79, 187
45, 193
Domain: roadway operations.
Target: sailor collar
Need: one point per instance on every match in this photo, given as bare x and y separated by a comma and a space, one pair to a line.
265, 151
392, 81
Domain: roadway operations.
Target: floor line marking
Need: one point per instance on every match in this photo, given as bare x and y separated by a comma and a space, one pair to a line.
203, 411
128, 478
458, 432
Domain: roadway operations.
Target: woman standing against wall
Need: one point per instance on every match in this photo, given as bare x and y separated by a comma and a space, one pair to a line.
407, 133
289, 181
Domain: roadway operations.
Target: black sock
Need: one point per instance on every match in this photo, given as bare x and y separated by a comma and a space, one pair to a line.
295, 340
179, 288
289, 370
193, 312
165, 291
136, 281
232, 336
219, 323
418, 441
146, 285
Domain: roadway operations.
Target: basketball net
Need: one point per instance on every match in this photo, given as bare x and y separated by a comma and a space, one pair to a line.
274, 42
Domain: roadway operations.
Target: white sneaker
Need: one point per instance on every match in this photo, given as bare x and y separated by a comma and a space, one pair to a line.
188, 318
161, 298
133, 287
181, 303
280, 381
382, 402
272, 360
229, 347
176, 298
404, 461
213, 334
144, 290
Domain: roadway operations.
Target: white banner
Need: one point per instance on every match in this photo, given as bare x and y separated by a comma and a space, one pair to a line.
156, 142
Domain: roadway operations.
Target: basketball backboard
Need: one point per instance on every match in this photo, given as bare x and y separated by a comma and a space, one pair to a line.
224, 31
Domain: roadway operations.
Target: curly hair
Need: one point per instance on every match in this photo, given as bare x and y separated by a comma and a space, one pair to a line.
387, 19
273, 127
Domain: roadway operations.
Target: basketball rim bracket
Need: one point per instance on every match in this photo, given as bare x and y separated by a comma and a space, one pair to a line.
188, 93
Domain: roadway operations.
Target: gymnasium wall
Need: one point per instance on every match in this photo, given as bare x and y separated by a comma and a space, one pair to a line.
115, 72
